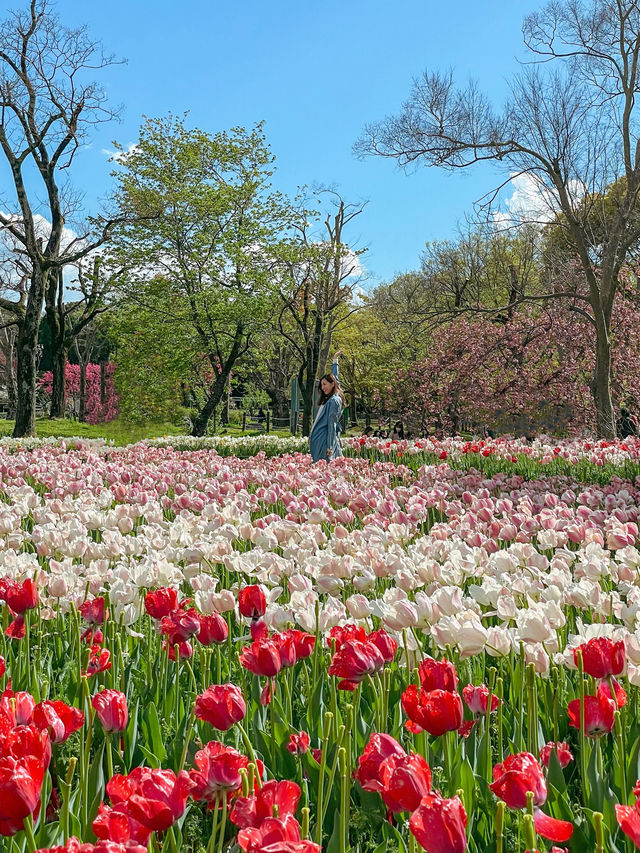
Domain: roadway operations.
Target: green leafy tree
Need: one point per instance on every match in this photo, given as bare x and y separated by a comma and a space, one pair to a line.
154, 353
212, 224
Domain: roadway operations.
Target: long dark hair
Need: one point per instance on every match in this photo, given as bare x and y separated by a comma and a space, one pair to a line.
322, 397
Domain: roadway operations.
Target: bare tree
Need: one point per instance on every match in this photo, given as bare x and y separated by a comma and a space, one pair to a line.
85, 344
571, 125
47, 107
320, 277
66, 320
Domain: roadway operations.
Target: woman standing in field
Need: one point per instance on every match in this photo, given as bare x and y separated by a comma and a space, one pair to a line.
324, 440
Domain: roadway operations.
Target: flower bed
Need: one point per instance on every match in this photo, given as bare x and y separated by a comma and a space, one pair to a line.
202, 651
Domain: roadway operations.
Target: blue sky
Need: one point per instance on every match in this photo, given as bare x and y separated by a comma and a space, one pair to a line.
315, 72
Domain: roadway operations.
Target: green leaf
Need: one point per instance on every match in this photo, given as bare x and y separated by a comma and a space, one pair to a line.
153, 734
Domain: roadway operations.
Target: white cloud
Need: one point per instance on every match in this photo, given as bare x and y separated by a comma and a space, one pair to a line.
532, 200
119, 156
43, 230
351, 264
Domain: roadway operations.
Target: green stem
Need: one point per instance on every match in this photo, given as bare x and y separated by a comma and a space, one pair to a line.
223, 824
344, 801
499, 826
582, 735
107, 746
327, 725
28, 831
214, 827
187, 738
247, 744
332, 774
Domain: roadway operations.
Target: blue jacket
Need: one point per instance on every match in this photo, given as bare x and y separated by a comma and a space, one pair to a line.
326, 427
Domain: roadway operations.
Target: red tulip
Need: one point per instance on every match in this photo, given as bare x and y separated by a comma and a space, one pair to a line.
298, 743
303, 643
303, 846
16, 630
92, 636
116, 824
161, 602
26, 740
439, 824
157, 798
437, 712
213, 629
221, 705
185, 650
516, 775
628, 818
353, 661
92, 611
553, 849
180, 625
477, 698
111, 710
604, 689
467, 727
385, 644
286, 649
267, 692
601, 657
3, 666
258, 629
218, 771
437, 675
252, 602
378, 749
261, 658
599, 714
252, 811
273, 831
16, 709
23, 705
20, 787
405, 780
74, 845
21, 597
99, 661
58, 718
341, 633
563, 753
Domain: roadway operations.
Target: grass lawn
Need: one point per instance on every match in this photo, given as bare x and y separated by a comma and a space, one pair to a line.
118, 431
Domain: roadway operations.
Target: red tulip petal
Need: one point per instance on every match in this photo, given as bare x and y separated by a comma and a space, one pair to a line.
551, 828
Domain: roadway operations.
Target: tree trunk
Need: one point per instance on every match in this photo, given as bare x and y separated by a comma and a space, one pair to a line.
26, 380
54, 310
306, 390
27, 343
224, 416
82, 414
353, 420
201, 422
601, 386
9, 351
58, 390
279, 403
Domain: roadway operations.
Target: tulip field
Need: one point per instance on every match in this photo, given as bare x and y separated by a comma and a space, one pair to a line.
214, 645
